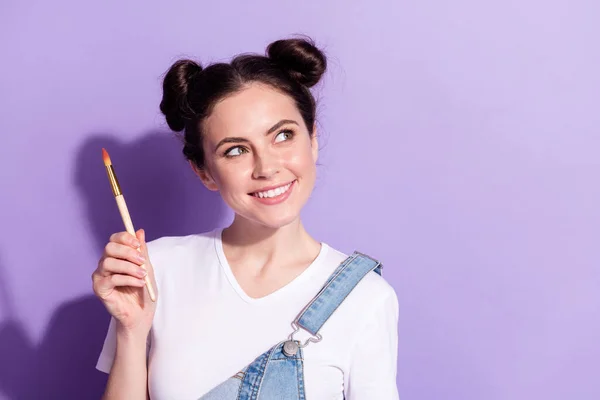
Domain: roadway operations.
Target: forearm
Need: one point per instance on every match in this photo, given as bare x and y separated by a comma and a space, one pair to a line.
128, 376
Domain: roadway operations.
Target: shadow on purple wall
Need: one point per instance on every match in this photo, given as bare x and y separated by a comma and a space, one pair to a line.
60, 366
163, 195
165, 198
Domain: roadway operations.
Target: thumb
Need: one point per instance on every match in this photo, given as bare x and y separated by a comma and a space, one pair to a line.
141, 236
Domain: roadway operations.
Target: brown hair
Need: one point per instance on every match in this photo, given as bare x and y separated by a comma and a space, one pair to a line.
190, 91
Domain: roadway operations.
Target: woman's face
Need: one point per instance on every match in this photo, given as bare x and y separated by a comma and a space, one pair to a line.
259, 156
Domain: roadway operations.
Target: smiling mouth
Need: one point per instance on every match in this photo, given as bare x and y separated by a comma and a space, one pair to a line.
267, 194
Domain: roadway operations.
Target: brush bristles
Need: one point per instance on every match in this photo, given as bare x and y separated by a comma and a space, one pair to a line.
106, 157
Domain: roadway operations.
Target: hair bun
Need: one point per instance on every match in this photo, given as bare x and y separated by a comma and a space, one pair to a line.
300, 58
175, 104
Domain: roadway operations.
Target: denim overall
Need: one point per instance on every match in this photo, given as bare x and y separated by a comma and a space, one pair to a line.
278, 373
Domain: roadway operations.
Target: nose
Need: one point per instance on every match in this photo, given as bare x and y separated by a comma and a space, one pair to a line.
266, 165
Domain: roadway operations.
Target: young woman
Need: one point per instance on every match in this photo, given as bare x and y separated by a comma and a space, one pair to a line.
260, 309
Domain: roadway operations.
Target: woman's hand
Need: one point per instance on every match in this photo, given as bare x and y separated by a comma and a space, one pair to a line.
119, 282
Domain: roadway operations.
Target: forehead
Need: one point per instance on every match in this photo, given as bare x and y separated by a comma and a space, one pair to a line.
253, 110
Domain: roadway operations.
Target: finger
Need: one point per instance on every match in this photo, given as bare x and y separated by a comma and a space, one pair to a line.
107, 284
124, 252
141, 236
125, 238
112, 266
118, 280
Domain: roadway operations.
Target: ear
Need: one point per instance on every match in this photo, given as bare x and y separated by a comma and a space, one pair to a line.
314, 143
204, 176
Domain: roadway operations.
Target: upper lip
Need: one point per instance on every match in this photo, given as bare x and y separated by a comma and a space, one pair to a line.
272, 187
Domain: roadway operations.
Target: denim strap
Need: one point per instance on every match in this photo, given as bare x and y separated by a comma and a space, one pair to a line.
334, 292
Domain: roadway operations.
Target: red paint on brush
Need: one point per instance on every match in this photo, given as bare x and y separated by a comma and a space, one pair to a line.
106, 157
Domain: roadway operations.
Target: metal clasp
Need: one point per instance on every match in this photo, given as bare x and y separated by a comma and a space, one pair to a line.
315, 338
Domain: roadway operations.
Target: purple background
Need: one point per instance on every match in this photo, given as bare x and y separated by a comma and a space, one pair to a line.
460, 146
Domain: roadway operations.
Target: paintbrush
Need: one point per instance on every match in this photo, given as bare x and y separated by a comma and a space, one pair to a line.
116, 189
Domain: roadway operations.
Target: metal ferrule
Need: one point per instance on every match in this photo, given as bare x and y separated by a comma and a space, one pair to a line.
114, 183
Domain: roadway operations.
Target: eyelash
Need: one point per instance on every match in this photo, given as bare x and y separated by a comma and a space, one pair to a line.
288, 131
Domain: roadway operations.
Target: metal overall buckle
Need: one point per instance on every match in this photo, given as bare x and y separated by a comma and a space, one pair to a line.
291, 346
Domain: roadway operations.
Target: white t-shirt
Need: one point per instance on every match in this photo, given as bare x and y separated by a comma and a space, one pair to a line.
206, 328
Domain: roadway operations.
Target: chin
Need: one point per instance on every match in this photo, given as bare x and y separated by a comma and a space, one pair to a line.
270, 220
276, 222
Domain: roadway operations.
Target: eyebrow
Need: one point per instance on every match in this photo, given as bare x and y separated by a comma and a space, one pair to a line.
278, 125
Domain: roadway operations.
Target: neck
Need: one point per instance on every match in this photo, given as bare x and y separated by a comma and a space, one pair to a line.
263, 245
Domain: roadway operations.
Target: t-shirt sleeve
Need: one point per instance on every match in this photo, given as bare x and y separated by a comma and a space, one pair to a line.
372, 371
107, 355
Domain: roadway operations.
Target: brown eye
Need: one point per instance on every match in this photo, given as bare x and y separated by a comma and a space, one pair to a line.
235, 151
286, 135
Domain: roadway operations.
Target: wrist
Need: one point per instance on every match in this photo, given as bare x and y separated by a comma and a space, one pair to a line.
129, 335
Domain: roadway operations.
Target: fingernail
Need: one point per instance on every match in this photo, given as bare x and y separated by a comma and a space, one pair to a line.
142, 272
141, 258
136, 244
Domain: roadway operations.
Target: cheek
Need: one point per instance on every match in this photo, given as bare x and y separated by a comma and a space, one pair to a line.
232, 176
302, 162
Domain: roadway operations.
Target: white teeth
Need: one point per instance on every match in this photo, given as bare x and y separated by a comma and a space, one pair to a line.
273, 192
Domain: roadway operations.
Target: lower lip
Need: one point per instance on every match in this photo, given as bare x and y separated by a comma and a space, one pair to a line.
277, 199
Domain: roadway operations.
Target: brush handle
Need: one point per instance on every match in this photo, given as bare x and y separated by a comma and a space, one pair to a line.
129, 228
